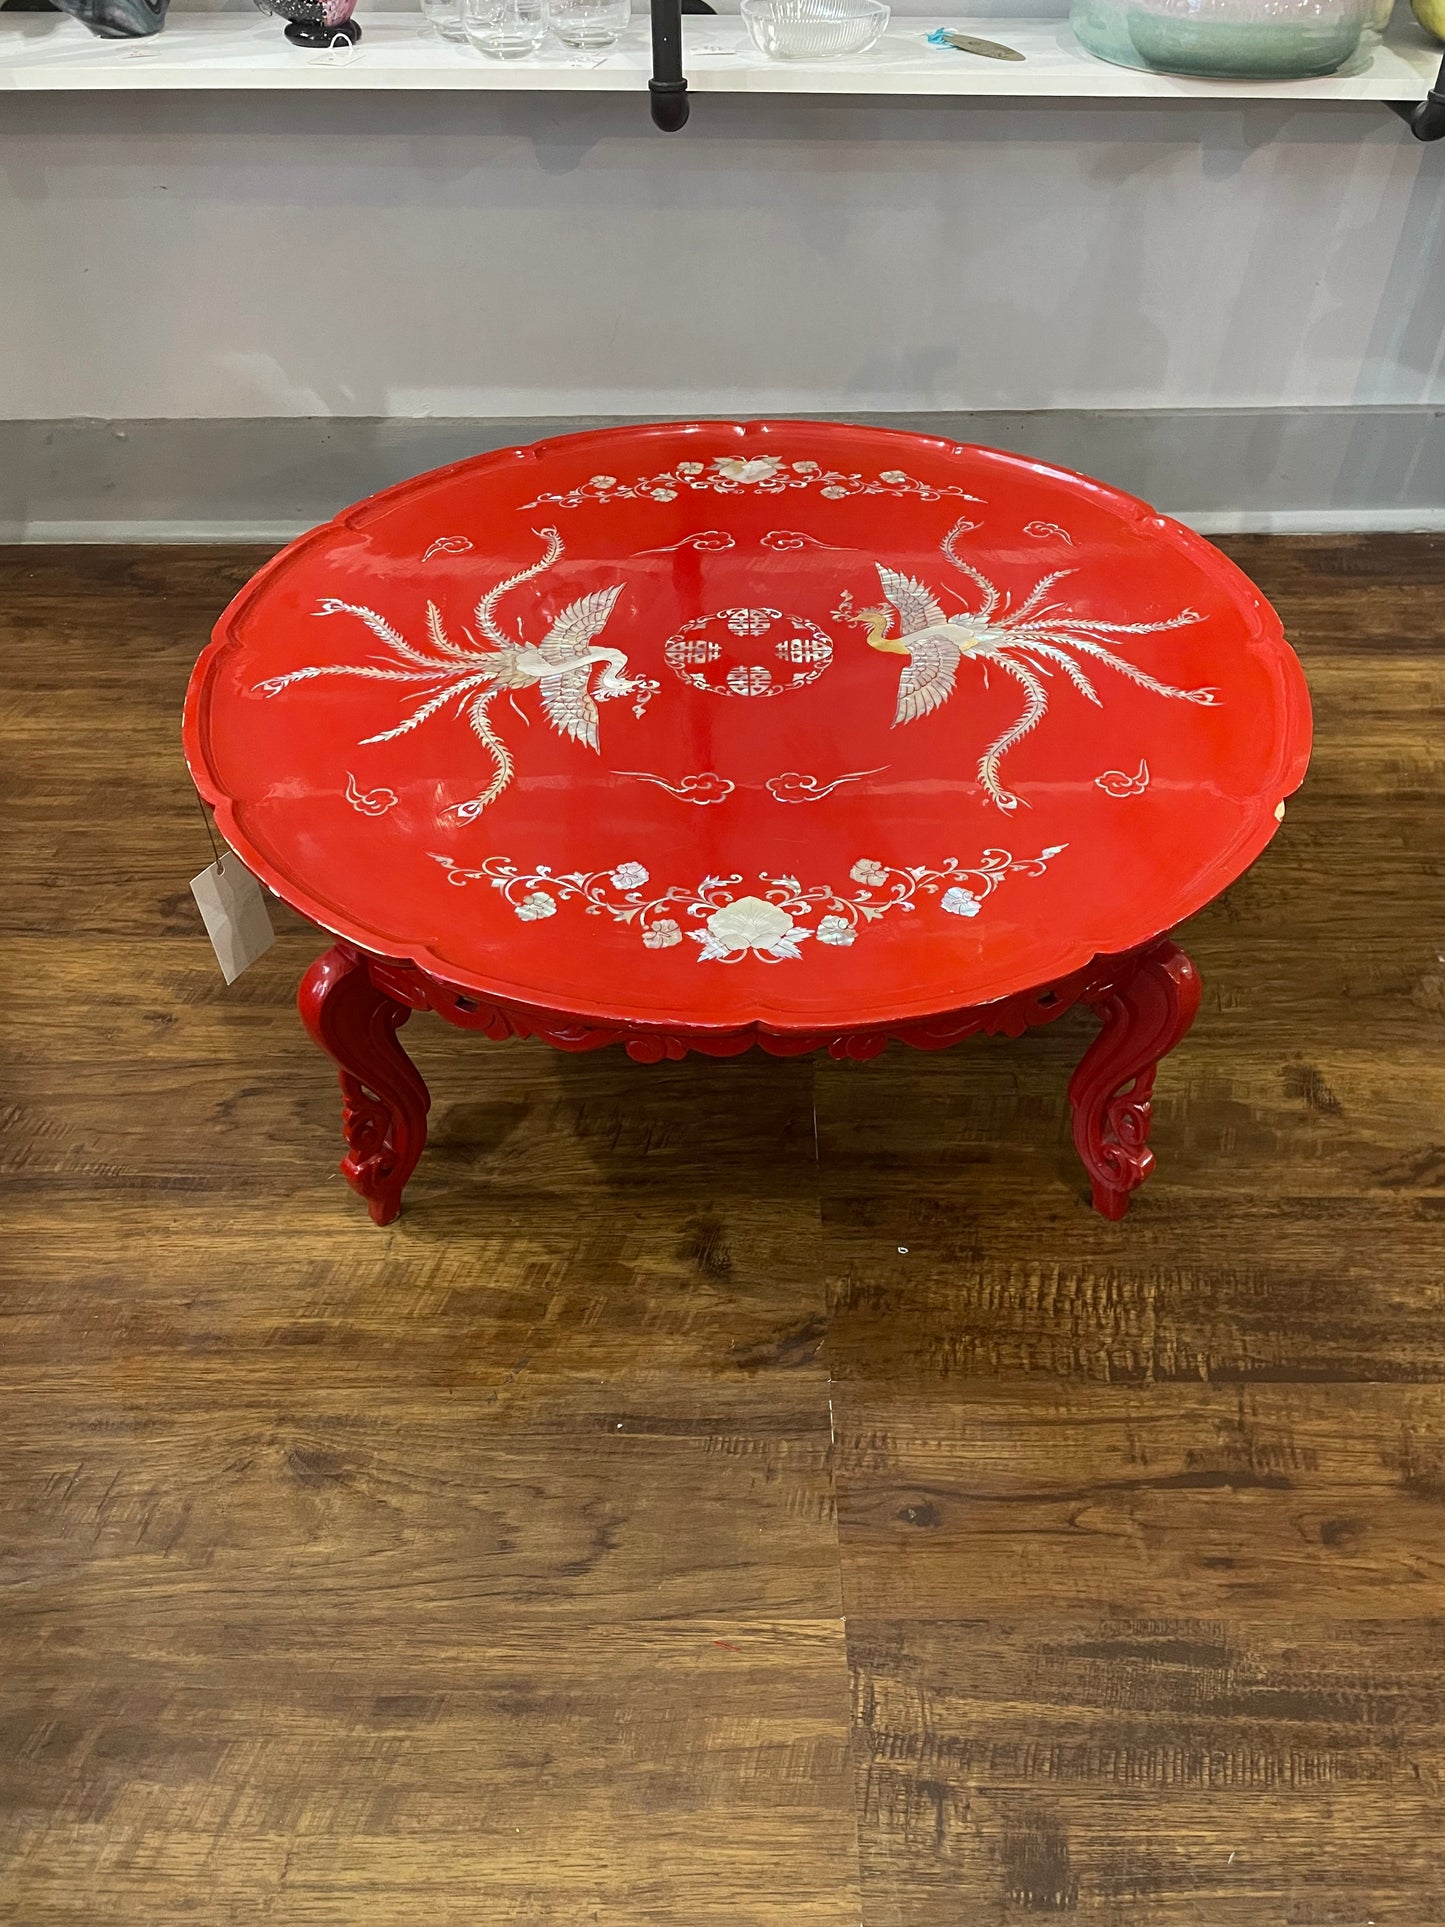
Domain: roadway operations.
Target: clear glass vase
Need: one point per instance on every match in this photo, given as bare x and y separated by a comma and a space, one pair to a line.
1224, 39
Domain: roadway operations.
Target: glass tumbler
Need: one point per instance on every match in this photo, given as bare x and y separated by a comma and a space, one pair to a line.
506, 29
588, 23
444, 17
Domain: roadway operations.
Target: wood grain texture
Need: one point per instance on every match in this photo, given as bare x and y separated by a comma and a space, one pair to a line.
662, 1772
1143, 1769
1143, 1526
509, 1565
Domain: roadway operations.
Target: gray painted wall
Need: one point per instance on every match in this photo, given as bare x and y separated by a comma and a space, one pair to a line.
1295, 469
233, 313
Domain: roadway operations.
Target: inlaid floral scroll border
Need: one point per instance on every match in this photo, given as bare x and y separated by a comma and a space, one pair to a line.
741, 474
769, 925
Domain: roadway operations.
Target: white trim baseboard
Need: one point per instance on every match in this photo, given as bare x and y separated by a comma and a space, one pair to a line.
1357, 521
1361, 521
272, 534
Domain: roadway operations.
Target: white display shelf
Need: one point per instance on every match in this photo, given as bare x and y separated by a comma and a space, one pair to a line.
46, 53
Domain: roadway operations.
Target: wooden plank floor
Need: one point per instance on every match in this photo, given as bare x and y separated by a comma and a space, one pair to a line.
734, 1494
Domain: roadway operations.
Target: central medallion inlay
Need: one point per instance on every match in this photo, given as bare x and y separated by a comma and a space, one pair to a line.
749, 652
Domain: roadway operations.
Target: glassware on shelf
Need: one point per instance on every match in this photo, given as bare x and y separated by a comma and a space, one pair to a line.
588, 23
505, 29
118, 19
1224, 39
316, 23
444, 17
813, 29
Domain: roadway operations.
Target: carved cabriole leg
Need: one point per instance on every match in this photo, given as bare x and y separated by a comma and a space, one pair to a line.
1145, 1012
383, 1099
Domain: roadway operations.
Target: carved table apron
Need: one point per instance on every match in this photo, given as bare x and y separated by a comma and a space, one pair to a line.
707, 736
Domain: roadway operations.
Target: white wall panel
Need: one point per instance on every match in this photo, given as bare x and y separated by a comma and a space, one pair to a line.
404, 256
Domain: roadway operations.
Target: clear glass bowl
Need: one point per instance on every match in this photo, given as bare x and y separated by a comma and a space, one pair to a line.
813, 29
445, 16
1225, 39
505, 29
589, 23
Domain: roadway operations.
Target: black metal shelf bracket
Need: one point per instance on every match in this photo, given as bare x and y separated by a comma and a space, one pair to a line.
668, 85
1424, 118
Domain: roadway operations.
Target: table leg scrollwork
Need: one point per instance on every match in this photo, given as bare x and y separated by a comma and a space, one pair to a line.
384, 1101
1145, 1011
354, 1004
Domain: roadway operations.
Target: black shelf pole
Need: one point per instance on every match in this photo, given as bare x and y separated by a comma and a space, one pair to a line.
667, 86
1424, 118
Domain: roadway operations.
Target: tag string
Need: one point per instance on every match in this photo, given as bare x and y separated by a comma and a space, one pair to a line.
210, 834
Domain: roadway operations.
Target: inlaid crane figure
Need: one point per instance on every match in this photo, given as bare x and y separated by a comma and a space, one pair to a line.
1022, 642
471, 676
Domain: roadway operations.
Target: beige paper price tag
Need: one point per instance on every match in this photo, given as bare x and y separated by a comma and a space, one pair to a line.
234, 913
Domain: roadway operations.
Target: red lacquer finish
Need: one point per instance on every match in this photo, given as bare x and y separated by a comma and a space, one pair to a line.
384, 1102
353, 1005
1146, 1009
698, 736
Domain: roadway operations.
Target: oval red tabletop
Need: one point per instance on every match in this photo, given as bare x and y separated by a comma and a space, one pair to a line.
775, 723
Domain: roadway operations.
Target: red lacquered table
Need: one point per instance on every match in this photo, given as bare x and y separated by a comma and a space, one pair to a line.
781, 734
